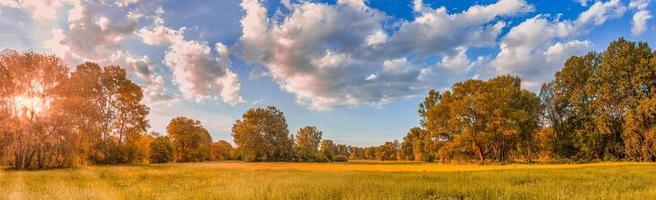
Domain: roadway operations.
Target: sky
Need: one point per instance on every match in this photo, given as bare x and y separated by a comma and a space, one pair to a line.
356, 69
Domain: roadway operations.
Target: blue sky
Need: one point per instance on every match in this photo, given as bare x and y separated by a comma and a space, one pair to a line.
356, 69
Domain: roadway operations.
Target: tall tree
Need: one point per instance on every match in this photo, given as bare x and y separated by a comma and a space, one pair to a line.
262, 135
107, 110
30, 94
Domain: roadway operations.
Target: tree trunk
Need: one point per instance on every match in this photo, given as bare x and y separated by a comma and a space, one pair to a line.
479, 151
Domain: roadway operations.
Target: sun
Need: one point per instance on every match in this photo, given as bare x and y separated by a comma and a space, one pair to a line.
29, 106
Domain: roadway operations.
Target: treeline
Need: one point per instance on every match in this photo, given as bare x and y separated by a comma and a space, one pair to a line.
600, 106
55, 117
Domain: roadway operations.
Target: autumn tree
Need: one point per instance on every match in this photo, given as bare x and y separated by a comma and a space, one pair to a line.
161, 150
262, 135
190, 140
486, 119
387, 151
370, 153
107, 111
594, 102
221, 150
327, 150
356, 153
30, 98
307, 143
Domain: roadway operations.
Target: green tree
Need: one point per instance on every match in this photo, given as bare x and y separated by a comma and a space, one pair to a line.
161, 150
307, 143
328, 149
262, 135
191, 142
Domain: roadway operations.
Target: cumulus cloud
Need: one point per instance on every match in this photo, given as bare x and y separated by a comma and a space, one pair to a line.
332, 55
90, 35
639, 22
641, 16
199, 71
39, 9
144, 70
538, 47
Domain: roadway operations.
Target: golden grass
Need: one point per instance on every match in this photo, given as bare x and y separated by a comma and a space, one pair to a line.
397, 166
353, 180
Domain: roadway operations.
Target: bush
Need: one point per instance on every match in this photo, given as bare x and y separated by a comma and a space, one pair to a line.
161, 150
340, 158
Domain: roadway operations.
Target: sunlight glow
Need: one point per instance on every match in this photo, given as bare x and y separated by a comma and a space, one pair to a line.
30, 105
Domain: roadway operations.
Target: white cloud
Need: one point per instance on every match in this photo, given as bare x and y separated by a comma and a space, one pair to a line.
151, 81
583, 2
91, 35
199, 71
39, 9
640, 18
160, 34
199, 74
321, 52
639, 22
639, 4
538, 47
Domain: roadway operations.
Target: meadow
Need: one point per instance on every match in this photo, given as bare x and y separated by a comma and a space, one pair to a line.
352, 180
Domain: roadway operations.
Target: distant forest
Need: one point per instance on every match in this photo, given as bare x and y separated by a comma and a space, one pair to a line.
600, 106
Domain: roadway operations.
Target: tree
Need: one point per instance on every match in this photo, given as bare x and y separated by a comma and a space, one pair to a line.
431, 100
370, 153
191, 142
307, 143
221, 150
356, 153
592, 102
417, 145
161, 150
30, 97
262, 135
485, 119
328, 149
387, 151
106, 109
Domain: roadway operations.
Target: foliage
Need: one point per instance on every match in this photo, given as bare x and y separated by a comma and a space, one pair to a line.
307, 144
327, 150
387, 151
340, 158
487, 119
599, 104
191, 142
30, 105
262, 135
161, 150
221, 150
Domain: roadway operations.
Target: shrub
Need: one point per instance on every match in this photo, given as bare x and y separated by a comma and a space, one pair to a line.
340, 158
161, 150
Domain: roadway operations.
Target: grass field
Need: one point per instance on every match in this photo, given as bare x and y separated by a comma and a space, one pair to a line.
353, 180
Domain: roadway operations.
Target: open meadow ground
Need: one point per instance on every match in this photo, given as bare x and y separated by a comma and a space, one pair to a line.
353, 180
